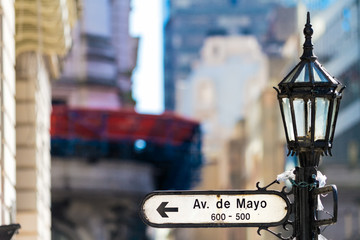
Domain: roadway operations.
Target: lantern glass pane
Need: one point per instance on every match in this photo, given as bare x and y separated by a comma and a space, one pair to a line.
299, 109
318, 75
291, 75
288, 119
333, 119
303, 75
321, 114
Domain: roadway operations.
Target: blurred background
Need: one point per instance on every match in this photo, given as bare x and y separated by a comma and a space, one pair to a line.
104, 101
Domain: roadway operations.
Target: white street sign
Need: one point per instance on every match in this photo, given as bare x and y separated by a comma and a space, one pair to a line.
215, 208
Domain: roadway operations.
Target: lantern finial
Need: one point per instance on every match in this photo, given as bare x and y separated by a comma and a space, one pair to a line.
308, 46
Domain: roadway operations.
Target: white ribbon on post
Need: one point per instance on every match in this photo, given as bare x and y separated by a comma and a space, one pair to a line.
322, 181
287, 175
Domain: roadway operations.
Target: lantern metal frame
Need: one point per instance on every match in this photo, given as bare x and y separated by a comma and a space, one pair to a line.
309, 82
309, 128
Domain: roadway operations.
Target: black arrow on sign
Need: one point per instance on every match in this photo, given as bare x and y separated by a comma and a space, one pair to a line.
162, 209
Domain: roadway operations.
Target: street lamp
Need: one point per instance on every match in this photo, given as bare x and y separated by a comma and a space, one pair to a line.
309, 99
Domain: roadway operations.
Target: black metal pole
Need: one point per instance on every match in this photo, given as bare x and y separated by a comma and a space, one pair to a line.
305, 203
305, 174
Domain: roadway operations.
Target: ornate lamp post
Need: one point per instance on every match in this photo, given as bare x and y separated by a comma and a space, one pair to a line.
309, 99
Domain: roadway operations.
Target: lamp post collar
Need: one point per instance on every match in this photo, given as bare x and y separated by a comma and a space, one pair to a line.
308, 53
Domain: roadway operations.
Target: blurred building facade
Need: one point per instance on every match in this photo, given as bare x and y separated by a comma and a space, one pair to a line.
237, 119
230, 92
105, 156
216, 95
190, 22
35, 35
97, 72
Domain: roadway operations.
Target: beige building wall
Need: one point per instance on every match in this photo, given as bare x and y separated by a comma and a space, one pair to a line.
33, 108
217, 94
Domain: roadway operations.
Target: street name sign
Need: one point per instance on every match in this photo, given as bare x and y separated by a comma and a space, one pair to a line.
215, 208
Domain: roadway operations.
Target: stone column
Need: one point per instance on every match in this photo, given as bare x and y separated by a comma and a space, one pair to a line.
33, 108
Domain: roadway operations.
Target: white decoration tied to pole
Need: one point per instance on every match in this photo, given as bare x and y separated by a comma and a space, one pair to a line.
289, 175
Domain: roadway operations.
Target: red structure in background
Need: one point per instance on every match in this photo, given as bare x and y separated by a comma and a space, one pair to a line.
170, 143
88, 124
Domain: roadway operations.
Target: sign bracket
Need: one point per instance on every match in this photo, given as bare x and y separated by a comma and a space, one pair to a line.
287, 221
278, 235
